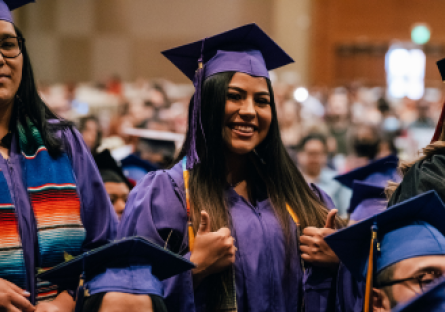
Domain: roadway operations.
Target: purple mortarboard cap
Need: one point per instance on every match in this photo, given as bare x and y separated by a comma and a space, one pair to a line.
245, 49
367, 200
410, 229
6, 6
378, 172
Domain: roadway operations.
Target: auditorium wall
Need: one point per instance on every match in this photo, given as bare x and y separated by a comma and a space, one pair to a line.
85, 40
349, 38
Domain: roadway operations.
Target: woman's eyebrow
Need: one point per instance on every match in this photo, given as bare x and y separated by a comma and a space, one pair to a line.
263, 93
237, 89
427, 269
7, 35
243, 91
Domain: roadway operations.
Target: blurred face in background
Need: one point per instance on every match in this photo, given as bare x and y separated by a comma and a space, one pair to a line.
366, 141
337, 106
312, 158
90, 133
118, 193
423, 109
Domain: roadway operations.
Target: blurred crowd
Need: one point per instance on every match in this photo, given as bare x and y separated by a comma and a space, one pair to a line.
328, 131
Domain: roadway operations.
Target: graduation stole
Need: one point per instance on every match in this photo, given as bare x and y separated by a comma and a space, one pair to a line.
52, 193
229, 301
191, 233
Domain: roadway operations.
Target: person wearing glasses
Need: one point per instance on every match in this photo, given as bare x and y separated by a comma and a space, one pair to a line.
52, 201
398, 253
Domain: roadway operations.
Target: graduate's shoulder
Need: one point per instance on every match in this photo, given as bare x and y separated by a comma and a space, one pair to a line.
431, 165
322, 196
164, 185
424, 175
168, 177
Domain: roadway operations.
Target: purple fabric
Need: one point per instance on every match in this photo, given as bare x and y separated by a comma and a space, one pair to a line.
244, 38
195, 123
367, 208
6, 6
97, 212
156, 207
249, 62
5, 13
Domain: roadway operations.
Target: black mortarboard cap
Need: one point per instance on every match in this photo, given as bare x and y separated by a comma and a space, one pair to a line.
441, 66
377, 172
105, 161
135, 250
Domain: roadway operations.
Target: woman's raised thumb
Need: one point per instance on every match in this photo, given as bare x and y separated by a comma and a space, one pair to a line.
204, 225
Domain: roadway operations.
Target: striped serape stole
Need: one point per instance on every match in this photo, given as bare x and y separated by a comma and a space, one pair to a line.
53, 195
12, 264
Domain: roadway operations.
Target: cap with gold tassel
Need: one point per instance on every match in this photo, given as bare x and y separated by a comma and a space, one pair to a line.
410, 229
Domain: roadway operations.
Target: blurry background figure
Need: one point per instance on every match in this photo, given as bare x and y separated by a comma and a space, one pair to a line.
364, 141
116, 184
158, 152
91, 132
290, 123
116, 189
423, 120
114, 85
338, 119
312, 157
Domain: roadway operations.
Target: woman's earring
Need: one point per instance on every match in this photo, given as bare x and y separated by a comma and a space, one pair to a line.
259, 157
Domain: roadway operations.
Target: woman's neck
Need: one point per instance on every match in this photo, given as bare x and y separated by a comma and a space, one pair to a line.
5, 118
235, 168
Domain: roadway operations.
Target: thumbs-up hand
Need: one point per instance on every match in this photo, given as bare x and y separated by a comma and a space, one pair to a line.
313, 247
212, 251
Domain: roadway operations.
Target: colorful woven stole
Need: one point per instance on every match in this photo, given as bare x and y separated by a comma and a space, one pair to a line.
229, 301
52, 193
12, 266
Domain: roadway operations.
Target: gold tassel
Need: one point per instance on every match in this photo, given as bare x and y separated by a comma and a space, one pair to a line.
292, 214
370, 272
191, 236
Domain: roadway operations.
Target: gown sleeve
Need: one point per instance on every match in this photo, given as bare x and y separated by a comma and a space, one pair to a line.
325, 289
424, 175
155, 210
97, 213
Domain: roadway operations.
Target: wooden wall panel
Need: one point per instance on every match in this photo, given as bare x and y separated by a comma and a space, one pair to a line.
369, 23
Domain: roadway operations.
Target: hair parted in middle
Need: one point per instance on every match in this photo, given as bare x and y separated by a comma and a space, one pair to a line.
275, 173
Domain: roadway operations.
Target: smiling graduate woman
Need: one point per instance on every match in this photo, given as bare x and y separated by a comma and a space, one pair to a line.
52, 200
232, 201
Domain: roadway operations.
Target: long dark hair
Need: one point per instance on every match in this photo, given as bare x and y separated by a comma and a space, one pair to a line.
270, 162
271, 170
29, 104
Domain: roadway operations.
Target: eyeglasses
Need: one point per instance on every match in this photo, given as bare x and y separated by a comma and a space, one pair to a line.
425, 280
11, 47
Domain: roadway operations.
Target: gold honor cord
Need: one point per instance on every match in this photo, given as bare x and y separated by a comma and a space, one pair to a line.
191, 232
370, 272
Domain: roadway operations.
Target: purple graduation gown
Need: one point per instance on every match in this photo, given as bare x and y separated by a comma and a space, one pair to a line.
97, 213
157, 206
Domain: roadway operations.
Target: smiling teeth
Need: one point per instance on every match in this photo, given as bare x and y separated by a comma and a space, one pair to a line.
244, 128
